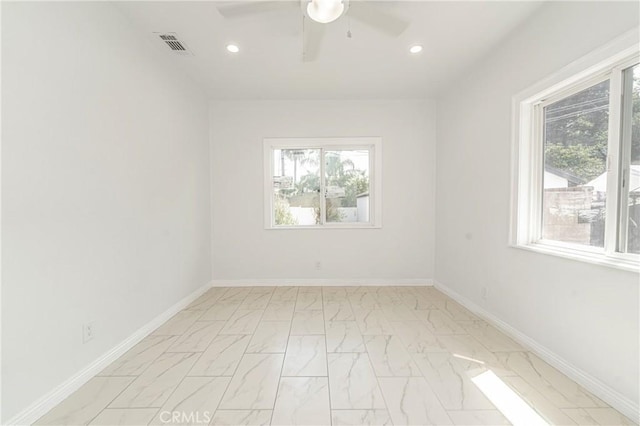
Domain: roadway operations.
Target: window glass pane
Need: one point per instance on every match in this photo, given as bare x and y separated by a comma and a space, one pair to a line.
347, 185
296, 186
633, 228
575, 179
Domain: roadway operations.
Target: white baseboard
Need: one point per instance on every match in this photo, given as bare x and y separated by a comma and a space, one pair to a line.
41, 406
612, 397
327, 282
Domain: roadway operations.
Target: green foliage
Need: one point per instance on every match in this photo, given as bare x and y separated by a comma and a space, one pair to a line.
344, 175
340, 172
579, 160
308, 183
303, 157
357, 184
333, 215
576, 132
282, 212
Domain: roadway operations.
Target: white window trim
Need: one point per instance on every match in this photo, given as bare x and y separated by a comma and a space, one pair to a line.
375, 177
527, 155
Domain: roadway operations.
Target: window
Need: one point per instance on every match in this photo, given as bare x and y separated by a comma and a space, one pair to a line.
322, 183
575, 143
577, 169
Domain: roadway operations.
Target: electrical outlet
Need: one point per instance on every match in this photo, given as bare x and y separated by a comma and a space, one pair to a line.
484, 292
88, 331
318, 265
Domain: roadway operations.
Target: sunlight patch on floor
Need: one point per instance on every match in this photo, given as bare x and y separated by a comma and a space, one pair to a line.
514, 408
477, 361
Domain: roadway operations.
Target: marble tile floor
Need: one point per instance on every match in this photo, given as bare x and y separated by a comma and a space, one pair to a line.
329, 355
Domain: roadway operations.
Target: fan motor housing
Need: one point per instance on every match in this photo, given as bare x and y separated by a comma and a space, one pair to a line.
305, 5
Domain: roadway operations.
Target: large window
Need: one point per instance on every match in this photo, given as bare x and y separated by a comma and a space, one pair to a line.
320, 183
575, 144
578, 165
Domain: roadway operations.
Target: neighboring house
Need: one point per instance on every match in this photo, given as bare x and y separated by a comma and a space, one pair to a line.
599, 184
557, 178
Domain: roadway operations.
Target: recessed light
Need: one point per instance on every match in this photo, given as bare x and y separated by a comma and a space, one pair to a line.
415, 49
233, 48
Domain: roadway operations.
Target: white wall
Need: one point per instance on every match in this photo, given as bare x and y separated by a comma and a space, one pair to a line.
402, 249
105, 190
586, 314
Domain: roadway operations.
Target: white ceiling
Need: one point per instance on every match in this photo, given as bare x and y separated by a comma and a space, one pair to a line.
369, 65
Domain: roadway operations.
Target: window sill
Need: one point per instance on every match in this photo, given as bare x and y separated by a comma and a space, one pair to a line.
618, 262
326, 226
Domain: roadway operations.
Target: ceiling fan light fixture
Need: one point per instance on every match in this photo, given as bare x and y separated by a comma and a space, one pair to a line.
325, 11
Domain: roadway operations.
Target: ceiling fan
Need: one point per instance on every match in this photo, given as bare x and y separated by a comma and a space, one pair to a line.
316, 14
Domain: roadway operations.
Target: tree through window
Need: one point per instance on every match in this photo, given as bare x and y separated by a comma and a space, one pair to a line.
318, 182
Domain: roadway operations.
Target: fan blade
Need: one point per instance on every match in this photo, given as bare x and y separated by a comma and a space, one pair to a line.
239, 9
313, 34
377, 18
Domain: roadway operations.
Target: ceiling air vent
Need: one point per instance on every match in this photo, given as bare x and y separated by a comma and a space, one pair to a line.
174, 43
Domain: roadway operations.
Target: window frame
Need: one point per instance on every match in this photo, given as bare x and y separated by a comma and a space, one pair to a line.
372, 144
624, 167
528, 155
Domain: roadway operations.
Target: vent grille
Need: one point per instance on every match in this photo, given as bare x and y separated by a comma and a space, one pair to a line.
175, 44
